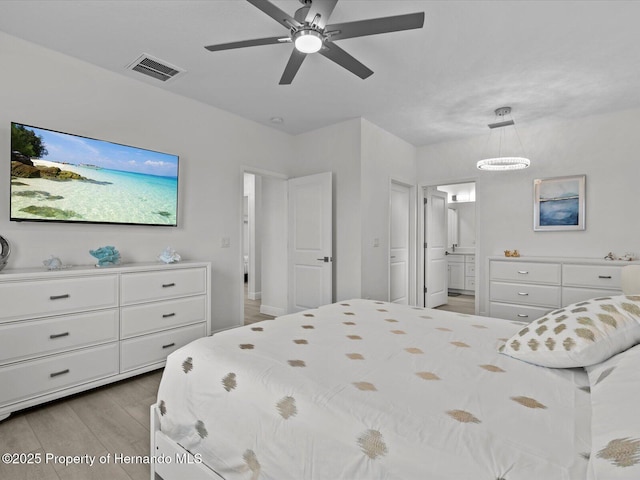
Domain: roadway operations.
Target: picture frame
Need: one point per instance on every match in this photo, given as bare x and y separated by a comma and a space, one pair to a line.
559, 203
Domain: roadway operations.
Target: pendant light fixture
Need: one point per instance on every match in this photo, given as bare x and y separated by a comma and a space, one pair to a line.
501, 162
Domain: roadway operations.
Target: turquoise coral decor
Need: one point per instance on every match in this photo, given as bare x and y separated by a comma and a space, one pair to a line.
107, 256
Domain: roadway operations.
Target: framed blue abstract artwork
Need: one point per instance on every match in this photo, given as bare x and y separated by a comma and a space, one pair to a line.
559, 203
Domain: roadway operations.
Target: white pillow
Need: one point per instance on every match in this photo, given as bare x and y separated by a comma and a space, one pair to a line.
580, 334
615, 423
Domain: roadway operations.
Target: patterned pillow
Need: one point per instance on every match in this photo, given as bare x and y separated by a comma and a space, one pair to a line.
615, 423
578, 335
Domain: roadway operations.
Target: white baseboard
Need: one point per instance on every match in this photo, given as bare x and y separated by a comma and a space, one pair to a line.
254, 295
273, 311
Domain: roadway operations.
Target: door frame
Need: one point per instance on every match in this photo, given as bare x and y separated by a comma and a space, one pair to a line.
413, 212
263, 173
420, 283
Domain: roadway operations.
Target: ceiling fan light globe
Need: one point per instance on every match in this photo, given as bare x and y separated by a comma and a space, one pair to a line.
307, 41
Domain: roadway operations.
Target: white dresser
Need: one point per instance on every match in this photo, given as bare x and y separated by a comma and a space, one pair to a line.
525, 288
65, 331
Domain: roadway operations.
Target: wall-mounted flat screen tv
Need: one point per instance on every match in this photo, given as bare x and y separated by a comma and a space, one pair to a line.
62, 177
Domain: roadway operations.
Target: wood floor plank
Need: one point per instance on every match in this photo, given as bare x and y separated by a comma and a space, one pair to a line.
150, 381
136, 395
117, 430
16, 436
36, 471
140, 472
252, 310
97, 471
106, 420
61, 432
461, 304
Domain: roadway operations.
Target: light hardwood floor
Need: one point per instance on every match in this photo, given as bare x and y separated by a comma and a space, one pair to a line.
460, 304
252, 310
113, 419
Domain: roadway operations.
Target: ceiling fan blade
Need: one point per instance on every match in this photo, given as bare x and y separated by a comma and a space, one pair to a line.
342, 58
323, 8
283, 18
293, 65
248, 43
375, 26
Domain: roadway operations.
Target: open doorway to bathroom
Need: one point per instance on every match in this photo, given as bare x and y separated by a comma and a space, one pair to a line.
461, 247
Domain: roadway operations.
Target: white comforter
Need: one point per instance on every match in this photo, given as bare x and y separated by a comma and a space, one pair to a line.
363, 390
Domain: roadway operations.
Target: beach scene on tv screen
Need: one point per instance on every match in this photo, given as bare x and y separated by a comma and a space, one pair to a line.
63, 177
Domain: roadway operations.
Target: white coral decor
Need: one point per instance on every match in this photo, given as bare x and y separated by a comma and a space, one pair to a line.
169, 255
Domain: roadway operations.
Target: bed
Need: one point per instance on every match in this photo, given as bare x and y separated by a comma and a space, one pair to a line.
363, 390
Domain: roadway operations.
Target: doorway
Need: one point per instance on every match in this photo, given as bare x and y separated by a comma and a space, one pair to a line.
459, 229
264, 246
399, 247
286, 243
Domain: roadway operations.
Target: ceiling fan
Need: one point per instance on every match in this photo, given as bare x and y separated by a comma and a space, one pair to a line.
309, 32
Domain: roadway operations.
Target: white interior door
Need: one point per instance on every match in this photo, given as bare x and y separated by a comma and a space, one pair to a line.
400, 227
310, 242
436, 233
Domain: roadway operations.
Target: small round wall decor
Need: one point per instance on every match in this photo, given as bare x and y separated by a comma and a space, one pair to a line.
5, 250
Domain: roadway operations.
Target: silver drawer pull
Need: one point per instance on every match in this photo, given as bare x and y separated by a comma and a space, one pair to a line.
523, 272
524, 294
523, 315
172, 344
606, 277
58, 297
57, 374
167, 315
59, 335
167, 285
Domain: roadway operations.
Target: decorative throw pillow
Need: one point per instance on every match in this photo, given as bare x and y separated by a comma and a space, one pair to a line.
578, 335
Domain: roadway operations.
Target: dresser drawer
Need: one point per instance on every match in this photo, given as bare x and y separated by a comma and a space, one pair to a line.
38, 377
152, 317
149, 349
38, 298
19, 341
574, 295
517, 313
537, 295
160, 285
596, 276
527, 272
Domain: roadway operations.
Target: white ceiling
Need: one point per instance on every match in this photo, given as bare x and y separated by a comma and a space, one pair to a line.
546, 59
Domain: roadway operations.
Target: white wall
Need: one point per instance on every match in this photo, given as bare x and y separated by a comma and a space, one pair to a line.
274, 246
384, 157
364, 159
47, 89
466, 223
337, 149
604, 147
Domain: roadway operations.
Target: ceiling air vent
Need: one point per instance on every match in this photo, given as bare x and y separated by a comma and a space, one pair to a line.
154, 67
